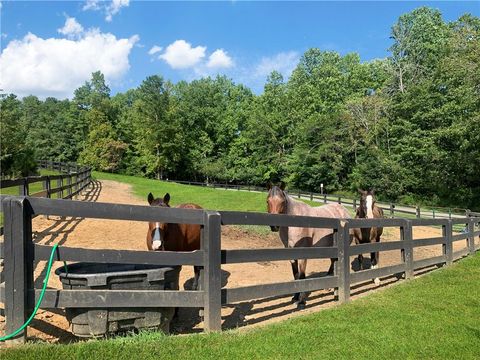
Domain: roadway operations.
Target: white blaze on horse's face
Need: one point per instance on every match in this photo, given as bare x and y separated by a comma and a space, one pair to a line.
157, 238
369, 201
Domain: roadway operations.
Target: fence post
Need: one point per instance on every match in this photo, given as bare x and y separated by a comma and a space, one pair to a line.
342, 265
392, 210
449, 213
325, 198
354, 204
299, 194
18, 265
311, 196
433, 213
448, 246
471, 238
212, 274
60, 184
23, 189
69, 183
339, 199
407, 251
417, 211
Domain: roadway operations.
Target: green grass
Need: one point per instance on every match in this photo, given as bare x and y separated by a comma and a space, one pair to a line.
433, 317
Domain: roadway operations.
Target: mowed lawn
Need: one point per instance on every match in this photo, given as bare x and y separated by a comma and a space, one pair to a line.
433, 317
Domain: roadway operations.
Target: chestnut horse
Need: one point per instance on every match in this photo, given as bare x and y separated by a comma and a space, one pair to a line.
278, 202
368, 210
174, 237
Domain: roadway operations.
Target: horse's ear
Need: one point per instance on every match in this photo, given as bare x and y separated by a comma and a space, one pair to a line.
269, 186
282, 185
166, 198
372, 192
362, 192
150, 198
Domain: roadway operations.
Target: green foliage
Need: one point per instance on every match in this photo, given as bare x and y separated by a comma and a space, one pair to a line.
407, 125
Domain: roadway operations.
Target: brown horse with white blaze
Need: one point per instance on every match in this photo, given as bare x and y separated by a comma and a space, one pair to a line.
278, 202
368, 209
174, 237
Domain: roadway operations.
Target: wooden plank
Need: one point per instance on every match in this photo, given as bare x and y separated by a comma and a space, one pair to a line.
35, 179
254, 255
10, 183
42, 252
99, 210
366, 223
254, 218
418, 264
476, 233
231, 295
428, 242
460, 253
428, 222
212, 279
456, 221
370, 274
374, 247
119, 298
460, 237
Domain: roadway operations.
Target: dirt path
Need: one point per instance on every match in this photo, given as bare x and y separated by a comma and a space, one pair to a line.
130, 235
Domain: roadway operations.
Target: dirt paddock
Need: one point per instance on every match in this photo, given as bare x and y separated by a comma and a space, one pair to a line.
52, 326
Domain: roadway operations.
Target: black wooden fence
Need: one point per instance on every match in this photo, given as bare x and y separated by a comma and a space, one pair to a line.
21, 253
391, 210
64, 186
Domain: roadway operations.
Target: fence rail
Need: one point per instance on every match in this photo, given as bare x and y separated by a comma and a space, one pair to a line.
21, 254
392, 210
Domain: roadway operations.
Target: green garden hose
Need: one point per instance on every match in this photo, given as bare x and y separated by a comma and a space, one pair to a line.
49, 267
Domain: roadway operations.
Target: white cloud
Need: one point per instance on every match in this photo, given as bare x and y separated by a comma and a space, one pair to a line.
110, 9
284, 63
71, 28
155, 49
91, 5
219, 59
56, 67
181, 55
114, 8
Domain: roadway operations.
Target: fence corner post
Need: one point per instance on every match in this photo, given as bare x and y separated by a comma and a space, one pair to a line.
212, 279
18, 266
342, 268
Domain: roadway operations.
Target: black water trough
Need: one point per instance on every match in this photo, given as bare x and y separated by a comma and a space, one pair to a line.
95, 322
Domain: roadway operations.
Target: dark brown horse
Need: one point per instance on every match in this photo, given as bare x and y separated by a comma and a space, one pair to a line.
278, 202
174, 237
368, 209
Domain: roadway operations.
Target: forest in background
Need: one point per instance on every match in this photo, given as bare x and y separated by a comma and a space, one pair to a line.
407, 125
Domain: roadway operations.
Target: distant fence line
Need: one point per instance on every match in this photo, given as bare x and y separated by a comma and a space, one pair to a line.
390, 209
65, 186
21, 255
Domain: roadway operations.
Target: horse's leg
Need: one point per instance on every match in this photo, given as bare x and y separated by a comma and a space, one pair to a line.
360, 261
332, 266
294, 264
302, 299
196, 270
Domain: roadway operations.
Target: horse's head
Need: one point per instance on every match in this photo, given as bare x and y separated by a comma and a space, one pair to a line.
276, 201
367, 200
157, 231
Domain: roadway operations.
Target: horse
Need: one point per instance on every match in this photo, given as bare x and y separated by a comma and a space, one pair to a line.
279, 202
368, 209
174, 237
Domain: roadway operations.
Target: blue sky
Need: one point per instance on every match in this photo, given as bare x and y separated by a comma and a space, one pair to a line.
49, 48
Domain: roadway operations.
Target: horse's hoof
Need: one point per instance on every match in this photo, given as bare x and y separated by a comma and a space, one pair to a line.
376, 281
301, 306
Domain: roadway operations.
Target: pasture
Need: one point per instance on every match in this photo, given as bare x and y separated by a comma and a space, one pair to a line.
433, 317
130, 235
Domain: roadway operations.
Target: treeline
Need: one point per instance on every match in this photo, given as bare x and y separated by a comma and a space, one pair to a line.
407, 125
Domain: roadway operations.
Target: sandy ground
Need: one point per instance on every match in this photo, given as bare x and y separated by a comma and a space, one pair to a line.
130, 235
